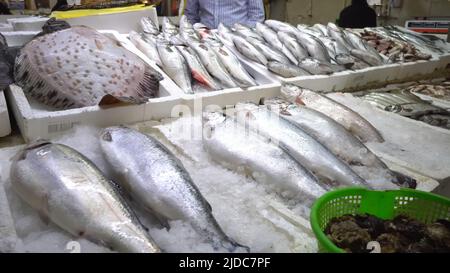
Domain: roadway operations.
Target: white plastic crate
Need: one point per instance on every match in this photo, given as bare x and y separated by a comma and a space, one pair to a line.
122, 22
5, 125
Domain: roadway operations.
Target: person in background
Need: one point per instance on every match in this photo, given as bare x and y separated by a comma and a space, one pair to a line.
228, 12
4, 9
358, 15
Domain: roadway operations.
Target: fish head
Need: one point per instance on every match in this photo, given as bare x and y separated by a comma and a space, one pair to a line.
22, 154
292, 93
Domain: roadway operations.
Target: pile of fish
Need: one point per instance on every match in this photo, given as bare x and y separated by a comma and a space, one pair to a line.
78, 67
186, 53
406, 104
397, 51
68, 189
440, 90
298, 51
300, 145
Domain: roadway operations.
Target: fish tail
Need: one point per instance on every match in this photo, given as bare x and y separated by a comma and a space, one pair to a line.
149, 86
404, 180
234, 247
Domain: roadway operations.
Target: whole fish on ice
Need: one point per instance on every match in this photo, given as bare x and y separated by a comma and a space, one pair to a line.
297, 143
235, 147
68, 189
175, 66
156, 179
348, 118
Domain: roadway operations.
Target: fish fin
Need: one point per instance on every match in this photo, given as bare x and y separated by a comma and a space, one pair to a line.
43, 212
149, 86
299, 101
161, 219
108, 100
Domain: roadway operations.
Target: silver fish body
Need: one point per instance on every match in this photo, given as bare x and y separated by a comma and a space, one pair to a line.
348, 118
168, 27
286, 70
148, 26
248, 50
175, 66
148, 47
247, 32
233, 65
156, 179
225, 32
322, 28
316, 67
212, 63
328, 132
198, 70
270, 53
366, 57
69, 190
294, 47
314, 46
239, 149
298, 144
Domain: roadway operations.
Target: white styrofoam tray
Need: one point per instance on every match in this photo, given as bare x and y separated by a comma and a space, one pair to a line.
30, 23
5, 126
122, 22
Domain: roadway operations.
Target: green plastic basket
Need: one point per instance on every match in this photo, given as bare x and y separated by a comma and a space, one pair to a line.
422, 206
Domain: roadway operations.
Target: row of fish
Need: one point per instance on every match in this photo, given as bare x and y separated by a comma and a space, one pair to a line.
300, 145
440, 90
184, 55
406, 104
78, 67
298, 51
68, 189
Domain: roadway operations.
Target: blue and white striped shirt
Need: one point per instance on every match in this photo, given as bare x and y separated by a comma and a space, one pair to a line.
227, 12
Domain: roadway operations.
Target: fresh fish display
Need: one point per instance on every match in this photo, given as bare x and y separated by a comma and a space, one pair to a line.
247, 32
366, 57
233, 65
271, 37
147, 46
79, 67
212, 63
68, 189
187, 29
198, 70
316, 67
148, 26
440, 91
248, 50
394, 50
286, 70
294, 47
314, 46
168, 27
175, 66
404, 103
156, 179
336, 138
298, 144
270, 53
230, 144
225, 32
351, 120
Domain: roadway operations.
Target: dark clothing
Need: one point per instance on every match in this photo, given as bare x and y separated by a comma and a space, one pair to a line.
4, 8
358, 16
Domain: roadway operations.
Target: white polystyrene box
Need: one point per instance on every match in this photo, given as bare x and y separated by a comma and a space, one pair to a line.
31, 23
122, 22
5, 126
19, 38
